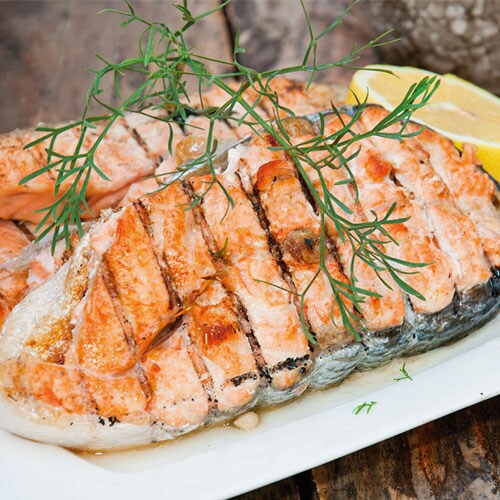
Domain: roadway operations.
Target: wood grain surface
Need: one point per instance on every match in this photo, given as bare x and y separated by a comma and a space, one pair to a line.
455, 457
44, 46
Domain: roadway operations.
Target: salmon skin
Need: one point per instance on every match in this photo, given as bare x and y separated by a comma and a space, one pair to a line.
165, 319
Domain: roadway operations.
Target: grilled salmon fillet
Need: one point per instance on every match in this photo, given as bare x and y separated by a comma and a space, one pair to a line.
131, 150
113, 157
129, 155
182, 307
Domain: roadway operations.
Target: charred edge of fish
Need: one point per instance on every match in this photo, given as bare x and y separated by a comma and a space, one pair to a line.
203, 374
244, 323
243, 320
107, 420
292, 364
161, 261
238, 380
274, 248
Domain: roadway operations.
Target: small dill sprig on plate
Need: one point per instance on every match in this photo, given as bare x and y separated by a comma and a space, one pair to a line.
405, 376
364, 406
167, 62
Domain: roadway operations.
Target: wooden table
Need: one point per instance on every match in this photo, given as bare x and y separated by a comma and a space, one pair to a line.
455, 457
43, 47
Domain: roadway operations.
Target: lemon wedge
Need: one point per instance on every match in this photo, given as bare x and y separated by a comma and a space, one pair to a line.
459, 109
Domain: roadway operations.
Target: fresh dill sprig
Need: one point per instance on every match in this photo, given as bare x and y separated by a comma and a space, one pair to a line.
405, 376
364, 406
166, 63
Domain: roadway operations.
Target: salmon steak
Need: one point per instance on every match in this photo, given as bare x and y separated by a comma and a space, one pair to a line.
178, 309
129, 156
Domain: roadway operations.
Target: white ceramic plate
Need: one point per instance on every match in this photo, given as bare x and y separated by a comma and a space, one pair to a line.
223, 462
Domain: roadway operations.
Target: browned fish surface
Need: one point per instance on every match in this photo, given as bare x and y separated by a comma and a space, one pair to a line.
120, 158
473, 191
386, 309
455, 233
182, 307
128, 156
131, 150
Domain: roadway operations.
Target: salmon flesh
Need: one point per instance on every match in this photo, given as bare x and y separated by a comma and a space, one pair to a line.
179, 309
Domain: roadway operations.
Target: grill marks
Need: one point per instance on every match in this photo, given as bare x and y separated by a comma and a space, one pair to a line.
155, 137
153, 134
218, 260
219, 343
139, 282
414, 237
176, 329
155, 293
24, 229
129, 153
274, 247
127, 306
455, 234
113, 157
102, 344
379, 313
248, 270
296, 230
